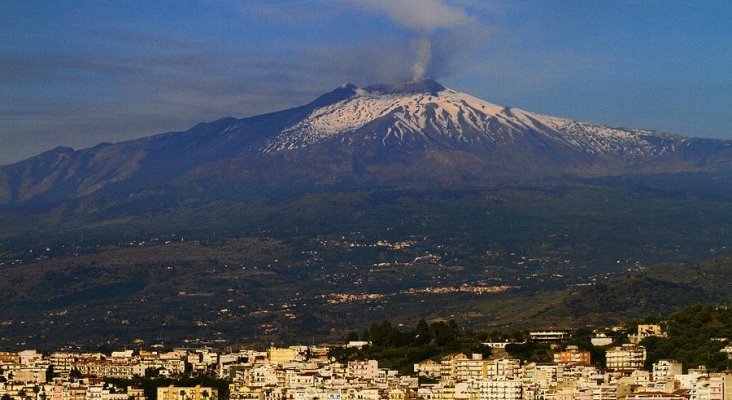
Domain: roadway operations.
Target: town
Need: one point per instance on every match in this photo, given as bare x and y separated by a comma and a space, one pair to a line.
316, 372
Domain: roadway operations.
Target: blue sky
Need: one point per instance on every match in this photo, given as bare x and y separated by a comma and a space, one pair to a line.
78, 73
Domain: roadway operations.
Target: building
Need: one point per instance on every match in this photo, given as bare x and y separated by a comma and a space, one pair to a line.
573, 356
29, 375
646, 330
601, 340
245, 393
9, 358
187, 393
448, 364
113, 368
499, 345
500, 389
366, 369
727, 349
665, 370
503, 368
29, 357
428, 368
605, 392
714, 386
675, 395
626, 357
548, 336
62, 363
474, 368
277, 355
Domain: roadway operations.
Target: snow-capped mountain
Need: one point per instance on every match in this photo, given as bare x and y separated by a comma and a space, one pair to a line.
423, 112
381, 134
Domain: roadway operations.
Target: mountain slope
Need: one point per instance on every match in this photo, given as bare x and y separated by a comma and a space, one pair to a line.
414, 132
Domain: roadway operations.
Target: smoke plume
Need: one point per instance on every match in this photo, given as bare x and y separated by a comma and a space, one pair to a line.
423, 17
423, 52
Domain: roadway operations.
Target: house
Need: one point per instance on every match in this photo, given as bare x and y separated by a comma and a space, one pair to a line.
646, 330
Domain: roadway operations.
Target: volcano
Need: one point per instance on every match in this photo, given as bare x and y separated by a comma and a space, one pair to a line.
417, 132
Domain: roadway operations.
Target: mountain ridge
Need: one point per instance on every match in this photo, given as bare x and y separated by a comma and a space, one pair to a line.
416, 131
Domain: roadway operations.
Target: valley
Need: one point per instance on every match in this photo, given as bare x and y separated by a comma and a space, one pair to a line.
318, 264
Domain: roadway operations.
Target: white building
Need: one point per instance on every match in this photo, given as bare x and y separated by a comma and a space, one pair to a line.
626, 357
605, 392
601, 340
665, 370
500, 389
548, 336
713, 388
366, 369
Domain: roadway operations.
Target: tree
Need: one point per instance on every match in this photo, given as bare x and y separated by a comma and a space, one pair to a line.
50, 374
345, 354
582, 338
384, 334
151, 372
445, 333
75, 374
422, 334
